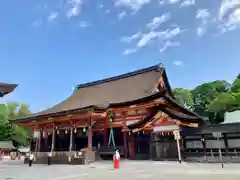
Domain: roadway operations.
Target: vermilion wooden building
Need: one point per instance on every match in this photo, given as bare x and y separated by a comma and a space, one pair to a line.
135, 112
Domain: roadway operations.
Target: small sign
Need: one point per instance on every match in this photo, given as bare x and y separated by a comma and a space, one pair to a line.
217, 134
176, 135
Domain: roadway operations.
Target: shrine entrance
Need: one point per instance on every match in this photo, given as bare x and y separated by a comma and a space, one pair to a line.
164, 147
139, 146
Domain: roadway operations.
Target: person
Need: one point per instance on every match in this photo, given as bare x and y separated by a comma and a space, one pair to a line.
117, 154
30, 161
49, 157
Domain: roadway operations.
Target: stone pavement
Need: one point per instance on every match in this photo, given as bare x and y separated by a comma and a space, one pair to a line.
129, 170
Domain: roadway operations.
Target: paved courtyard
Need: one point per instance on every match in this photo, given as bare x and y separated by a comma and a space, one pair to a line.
129, 170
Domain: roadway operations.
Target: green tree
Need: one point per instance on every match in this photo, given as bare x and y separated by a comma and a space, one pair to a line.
12, 110
183, 97
236, 85
5, 128
227, 101
223, 102
206, 93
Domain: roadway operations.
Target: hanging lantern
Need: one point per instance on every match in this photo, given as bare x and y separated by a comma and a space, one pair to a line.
66, 131
57, 131
138, 132
84, 129
129, 133
143, 132
75, 130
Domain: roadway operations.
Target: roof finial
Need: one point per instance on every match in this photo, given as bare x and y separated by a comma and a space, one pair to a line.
161, 65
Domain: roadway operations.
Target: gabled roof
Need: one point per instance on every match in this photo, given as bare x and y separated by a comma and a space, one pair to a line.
6, 88
119, 89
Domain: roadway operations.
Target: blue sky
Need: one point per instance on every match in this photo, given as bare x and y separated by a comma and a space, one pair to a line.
47, 47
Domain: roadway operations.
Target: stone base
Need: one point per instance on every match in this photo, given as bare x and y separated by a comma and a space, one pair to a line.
83, 158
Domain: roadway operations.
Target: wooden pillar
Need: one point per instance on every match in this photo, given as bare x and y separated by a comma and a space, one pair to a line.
226, 143
204, 147
90, 133
70, 144
71, 139
39, 140
124, 127
158, 146
53, 138
46, 146
32, 148
106, 132
131, 146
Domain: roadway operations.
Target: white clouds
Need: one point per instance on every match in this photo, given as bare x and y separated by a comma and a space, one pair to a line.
157, 21
107, 11
202, 15
170, 33
52, 16
83, 24
163, 38
169, 44
37, 23
161, 2
187, 3
227, 5
100, 6
74, 8
131, 38
234, 18
177, 63
229, 15
201, 30
121, 15
134, 5
173, 1
146, 38
129, 51
232, 22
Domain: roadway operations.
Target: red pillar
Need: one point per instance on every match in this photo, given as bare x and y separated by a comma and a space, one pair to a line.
124, 127
90, 133
106, 132
131, 147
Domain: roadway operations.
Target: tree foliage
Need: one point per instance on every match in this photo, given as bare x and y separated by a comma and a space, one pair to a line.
12, 110
184, 97
212, 99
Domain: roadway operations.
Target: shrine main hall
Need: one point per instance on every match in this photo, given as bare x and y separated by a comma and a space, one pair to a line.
135, 112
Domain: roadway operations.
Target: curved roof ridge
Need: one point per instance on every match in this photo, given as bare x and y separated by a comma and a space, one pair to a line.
125, 75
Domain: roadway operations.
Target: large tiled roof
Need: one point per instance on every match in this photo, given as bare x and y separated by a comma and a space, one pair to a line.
119, 89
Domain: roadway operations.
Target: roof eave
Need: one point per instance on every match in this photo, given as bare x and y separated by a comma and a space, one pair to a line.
93, 108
